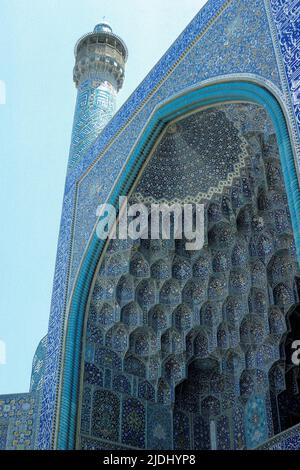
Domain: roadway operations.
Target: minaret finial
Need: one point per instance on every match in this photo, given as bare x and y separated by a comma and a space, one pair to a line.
104, 26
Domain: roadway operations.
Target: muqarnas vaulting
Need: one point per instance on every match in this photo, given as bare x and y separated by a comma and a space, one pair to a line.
151, 346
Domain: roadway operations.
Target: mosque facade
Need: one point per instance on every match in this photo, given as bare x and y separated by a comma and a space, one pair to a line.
152, 345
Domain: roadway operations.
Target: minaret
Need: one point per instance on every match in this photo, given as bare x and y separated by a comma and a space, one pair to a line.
98, 74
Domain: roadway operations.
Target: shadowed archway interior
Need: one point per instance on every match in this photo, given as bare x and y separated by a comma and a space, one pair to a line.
181, 348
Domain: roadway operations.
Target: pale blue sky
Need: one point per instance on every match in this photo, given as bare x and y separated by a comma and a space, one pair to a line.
37, 39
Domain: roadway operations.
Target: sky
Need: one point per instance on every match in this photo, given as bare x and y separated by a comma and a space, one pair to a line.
37, 41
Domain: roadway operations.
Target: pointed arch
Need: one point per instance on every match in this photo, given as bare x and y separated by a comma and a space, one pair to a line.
205, 96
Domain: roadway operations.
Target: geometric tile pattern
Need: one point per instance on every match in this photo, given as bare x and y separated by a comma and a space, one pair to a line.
95, 106
234, 56
286, 15
288, 440
19, 419
224, 38
37, 374
188, 341
192, 155
256, 422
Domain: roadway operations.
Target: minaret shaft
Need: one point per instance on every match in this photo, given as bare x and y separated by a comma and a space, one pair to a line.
99, 75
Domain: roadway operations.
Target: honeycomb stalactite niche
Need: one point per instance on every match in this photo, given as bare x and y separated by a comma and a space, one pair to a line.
184, 349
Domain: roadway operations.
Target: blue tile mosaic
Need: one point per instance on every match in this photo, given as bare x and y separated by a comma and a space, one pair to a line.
256, 422
19, 421
207, 324
223, 39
